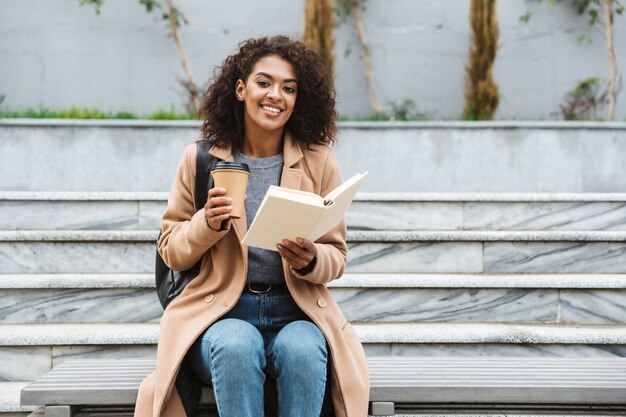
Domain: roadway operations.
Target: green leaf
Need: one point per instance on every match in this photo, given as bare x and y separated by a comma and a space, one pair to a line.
97, 4
525, 17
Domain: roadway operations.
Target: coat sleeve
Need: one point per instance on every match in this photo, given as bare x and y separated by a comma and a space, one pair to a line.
186, 236
332, 250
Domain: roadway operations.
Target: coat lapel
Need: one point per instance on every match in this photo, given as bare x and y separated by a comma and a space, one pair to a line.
292, 154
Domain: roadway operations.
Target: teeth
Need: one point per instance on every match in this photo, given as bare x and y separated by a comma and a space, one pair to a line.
272, 109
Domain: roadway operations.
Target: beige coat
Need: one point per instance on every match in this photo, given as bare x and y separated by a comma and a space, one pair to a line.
187, 238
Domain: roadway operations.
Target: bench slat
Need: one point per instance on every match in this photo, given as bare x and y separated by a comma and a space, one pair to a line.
499, 395
414, 380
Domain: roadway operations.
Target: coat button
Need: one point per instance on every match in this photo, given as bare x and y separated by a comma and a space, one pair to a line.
321, 302
209, 298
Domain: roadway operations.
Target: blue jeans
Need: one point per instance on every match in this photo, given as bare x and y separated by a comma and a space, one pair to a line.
263, 335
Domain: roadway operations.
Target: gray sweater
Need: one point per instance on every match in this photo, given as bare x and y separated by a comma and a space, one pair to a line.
264, 266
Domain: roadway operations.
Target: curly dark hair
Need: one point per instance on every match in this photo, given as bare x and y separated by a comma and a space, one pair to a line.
314, 117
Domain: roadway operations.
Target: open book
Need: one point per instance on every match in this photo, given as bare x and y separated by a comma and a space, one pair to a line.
288, 214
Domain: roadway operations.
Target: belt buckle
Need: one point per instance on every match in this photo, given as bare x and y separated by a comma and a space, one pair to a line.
265, 291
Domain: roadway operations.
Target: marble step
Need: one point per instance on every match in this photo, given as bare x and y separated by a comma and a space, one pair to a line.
369, 211
10, 399
126, 251
28, 351
347, 281
130, 298
147, 333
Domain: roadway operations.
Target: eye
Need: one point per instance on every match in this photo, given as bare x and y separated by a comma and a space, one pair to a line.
289, 89
263, 83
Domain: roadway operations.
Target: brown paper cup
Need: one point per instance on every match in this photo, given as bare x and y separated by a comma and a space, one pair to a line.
235, 182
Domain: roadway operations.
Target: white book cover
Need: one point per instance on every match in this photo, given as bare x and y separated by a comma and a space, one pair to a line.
285, 213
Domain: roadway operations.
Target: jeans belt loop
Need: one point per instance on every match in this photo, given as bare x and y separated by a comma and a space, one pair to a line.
264, 291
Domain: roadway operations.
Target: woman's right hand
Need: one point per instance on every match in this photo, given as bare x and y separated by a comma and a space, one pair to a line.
217, 208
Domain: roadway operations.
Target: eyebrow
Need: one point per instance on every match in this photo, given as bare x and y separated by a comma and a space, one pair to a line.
288, 80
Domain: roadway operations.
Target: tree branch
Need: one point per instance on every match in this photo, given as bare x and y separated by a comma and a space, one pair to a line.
357, 20
191, 84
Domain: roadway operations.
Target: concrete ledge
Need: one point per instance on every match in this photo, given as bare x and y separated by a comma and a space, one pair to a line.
100, 123
79, 236
496, 124
353, 236
506, 158
487, 236
78, 334
503, 124
561, 281
90, 281
384, 197
10, 398
490, 333
493, 197
142, 334
82, 196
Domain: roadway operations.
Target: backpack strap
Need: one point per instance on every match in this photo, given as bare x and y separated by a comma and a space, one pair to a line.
204, 181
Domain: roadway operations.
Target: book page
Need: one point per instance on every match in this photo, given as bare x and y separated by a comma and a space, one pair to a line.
296, 195
341, 197
288, 214
353, 182
279, 218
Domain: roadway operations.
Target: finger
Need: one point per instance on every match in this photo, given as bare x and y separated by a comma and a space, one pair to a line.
216, 221
292, 259
307, 245
218, 211
294, 264
286, 253
216, 191
294, 247
220, 201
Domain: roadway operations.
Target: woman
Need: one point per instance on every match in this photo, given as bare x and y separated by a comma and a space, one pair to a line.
251, 314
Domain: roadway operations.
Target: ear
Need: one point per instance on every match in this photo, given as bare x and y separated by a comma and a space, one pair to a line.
240, 90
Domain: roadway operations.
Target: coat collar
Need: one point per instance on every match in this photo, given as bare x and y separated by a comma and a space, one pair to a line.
292, 153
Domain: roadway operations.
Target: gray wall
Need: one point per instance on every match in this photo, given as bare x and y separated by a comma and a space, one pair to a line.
58, 54
400, 157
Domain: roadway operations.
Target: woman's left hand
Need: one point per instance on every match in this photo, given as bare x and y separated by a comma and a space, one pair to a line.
298, 254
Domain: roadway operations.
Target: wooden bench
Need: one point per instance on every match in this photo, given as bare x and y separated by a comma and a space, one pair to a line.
398, 385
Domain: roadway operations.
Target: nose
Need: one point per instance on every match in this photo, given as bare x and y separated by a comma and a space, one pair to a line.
273, 93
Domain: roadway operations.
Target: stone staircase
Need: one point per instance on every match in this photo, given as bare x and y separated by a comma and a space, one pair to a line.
428, 274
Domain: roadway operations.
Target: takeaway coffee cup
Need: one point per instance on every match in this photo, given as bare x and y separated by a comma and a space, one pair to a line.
233, 176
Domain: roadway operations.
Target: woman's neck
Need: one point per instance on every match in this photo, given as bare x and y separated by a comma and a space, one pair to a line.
262, 145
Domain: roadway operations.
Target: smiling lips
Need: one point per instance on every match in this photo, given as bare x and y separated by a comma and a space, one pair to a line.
271, 109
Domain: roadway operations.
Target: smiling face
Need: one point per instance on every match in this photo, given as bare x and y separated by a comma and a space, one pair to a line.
269, 95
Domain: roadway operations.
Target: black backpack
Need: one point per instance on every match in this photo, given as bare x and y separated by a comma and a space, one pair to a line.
170, 283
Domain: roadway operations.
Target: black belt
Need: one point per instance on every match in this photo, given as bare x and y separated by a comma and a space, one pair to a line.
259, 288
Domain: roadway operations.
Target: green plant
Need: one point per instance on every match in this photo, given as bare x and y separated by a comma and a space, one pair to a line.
583, 101
171, 114
173, 16
595, 9
151, 6
481, 91
405, 111
75, 112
